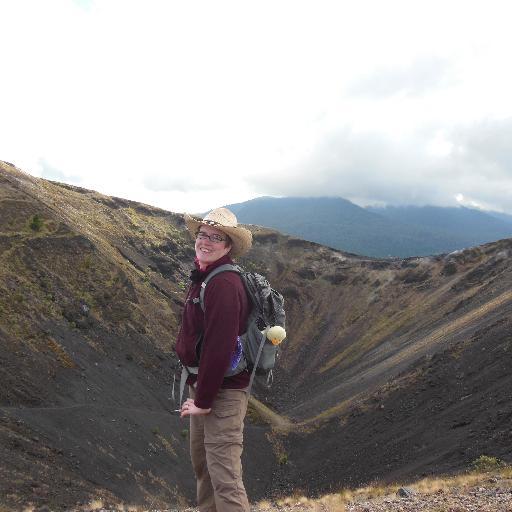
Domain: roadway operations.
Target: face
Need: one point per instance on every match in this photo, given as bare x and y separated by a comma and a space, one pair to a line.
207, 251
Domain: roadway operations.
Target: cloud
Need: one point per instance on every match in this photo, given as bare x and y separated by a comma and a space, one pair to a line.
371, 167
180, 103
420, 77
87, 5
485, 147
350, 164
179, 182
483, 156
49, 172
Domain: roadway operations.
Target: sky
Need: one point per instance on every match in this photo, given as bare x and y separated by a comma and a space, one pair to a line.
189, 105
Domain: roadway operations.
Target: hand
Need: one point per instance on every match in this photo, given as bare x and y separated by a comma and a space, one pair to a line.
189, 409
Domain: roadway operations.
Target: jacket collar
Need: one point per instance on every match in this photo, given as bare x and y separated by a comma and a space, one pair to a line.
198, 275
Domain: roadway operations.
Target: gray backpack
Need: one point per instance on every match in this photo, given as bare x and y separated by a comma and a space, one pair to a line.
257, 353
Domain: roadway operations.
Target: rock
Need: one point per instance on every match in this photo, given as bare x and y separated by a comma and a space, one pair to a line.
405, 492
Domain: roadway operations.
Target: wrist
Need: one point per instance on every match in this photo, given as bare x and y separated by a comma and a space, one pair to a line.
203, 409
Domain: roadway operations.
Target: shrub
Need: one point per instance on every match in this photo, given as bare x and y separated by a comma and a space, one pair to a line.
486, 463
449, 269
282, 459
36, 223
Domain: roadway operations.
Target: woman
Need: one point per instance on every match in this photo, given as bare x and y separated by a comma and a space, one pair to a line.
207, 343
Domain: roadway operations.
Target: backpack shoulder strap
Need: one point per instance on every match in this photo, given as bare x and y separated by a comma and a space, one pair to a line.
227, 267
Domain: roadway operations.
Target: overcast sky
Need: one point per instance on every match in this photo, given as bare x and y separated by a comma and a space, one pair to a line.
191, 104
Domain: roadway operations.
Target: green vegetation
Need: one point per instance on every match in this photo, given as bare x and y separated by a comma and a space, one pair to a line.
36, 223
487, 463
449, 269
282, 459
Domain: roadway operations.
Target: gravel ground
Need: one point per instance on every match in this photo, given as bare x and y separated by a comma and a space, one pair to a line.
480, 498
469, 499
492, 494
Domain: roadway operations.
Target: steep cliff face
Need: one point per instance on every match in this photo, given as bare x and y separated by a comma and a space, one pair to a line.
382, 359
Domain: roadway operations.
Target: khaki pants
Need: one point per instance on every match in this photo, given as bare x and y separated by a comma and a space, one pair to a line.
215, 449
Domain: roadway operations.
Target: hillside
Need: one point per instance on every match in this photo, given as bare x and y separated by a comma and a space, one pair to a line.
377, 232
403, 363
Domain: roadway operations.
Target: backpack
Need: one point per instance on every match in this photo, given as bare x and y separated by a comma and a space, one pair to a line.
257, 353
254, 351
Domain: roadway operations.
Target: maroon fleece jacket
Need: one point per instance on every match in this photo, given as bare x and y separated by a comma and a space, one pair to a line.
225, 317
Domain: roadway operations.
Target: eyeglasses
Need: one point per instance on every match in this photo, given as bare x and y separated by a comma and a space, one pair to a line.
216, 239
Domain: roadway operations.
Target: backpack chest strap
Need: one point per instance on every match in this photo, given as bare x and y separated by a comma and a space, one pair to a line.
227, 267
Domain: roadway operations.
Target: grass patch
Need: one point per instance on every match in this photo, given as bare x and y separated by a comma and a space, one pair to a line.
62, 356
86, 262
278, 448
167, 445
260, 413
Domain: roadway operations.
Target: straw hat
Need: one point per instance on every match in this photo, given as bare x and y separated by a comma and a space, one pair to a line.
225, 221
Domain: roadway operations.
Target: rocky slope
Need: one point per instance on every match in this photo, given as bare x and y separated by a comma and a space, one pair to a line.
392, 368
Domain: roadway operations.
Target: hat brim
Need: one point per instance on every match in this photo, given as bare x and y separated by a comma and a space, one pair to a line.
241, 238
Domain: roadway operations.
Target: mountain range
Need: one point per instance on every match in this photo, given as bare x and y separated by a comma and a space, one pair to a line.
391, 370
376, 231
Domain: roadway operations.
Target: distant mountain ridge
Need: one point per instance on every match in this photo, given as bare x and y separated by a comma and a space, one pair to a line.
376, 231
